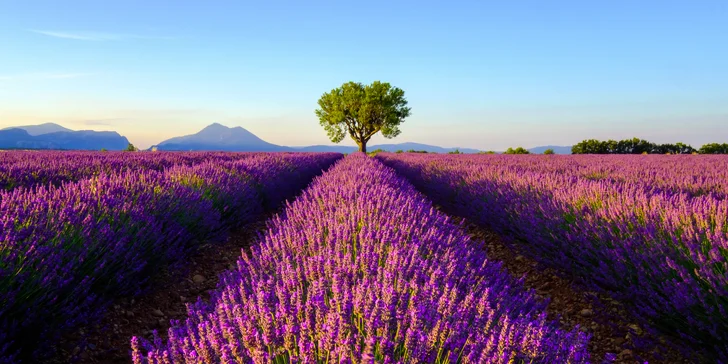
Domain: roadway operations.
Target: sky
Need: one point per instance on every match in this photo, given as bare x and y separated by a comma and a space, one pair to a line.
480, 74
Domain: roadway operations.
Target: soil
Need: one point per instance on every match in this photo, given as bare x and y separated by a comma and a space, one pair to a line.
108, 341
606, 320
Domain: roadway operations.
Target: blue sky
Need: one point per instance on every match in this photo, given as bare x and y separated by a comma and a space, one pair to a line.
481, 74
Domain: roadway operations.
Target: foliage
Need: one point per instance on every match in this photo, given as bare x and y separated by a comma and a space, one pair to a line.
548, 151
376, 151
131, 148
361, 111
456, 151
519, 150
68, 248
362, 268
641, 146
714, 148
649, 231
487, 152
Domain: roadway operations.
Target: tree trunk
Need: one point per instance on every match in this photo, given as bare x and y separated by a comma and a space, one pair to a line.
363, 146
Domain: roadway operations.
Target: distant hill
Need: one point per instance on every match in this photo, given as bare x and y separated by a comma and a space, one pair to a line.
40, 129
216, 137
387, 147
16, 138
557, 149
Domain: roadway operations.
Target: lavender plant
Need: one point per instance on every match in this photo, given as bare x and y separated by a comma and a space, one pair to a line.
359, 269
652, 231
66, 250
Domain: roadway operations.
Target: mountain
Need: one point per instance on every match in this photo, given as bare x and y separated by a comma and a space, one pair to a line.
327, 148
17, 138
557, 149
218, 137
418, 147
386, 147
40, 129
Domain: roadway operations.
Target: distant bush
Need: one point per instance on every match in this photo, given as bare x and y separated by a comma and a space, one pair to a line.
376, 151
417, 151
714, 148
488, 152
519, 150
548, 151
456, 151
641, 146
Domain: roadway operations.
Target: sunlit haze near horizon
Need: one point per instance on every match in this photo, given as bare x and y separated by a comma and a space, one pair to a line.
477, 74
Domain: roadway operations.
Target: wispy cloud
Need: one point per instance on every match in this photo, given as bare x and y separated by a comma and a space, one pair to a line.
95, 36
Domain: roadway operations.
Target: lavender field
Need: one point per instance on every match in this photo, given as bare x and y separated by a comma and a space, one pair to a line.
649, 231
79, 229
362, 263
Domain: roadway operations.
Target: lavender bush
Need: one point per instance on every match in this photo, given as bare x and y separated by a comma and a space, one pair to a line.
33, 168
652, 231
360, 269
67, 250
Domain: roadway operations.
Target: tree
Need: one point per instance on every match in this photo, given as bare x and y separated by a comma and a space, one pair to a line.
362, 111
519, 150
548, 151
714, 148
130, 148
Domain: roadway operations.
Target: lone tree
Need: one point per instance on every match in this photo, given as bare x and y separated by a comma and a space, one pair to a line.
362, 111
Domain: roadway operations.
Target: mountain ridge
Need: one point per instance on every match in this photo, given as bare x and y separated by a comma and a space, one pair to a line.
19, 138
214, 137
40, 129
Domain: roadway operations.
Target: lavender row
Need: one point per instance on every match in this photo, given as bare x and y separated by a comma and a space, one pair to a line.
664, 253
66, 251
30, 169
361, 269
695, 175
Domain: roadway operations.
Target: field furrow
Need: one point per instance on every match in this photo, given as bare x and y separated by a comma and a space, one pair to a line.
663, 253
362, 268
67, 250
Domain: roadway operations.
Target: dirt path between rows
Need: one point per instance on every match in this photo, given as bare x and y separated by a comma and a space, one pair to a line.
605, 319
108, 341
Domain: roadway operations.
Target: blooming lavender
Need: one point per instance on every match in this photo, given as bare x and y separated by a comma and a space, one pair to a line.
25, 169
66, 250
652, 231
360, 269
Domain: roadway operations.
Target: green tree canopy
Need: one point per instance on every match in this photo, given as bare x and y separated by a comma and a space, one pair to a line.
519, 150
362, 111
639, 146
130, 148
548, 151
714, 148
